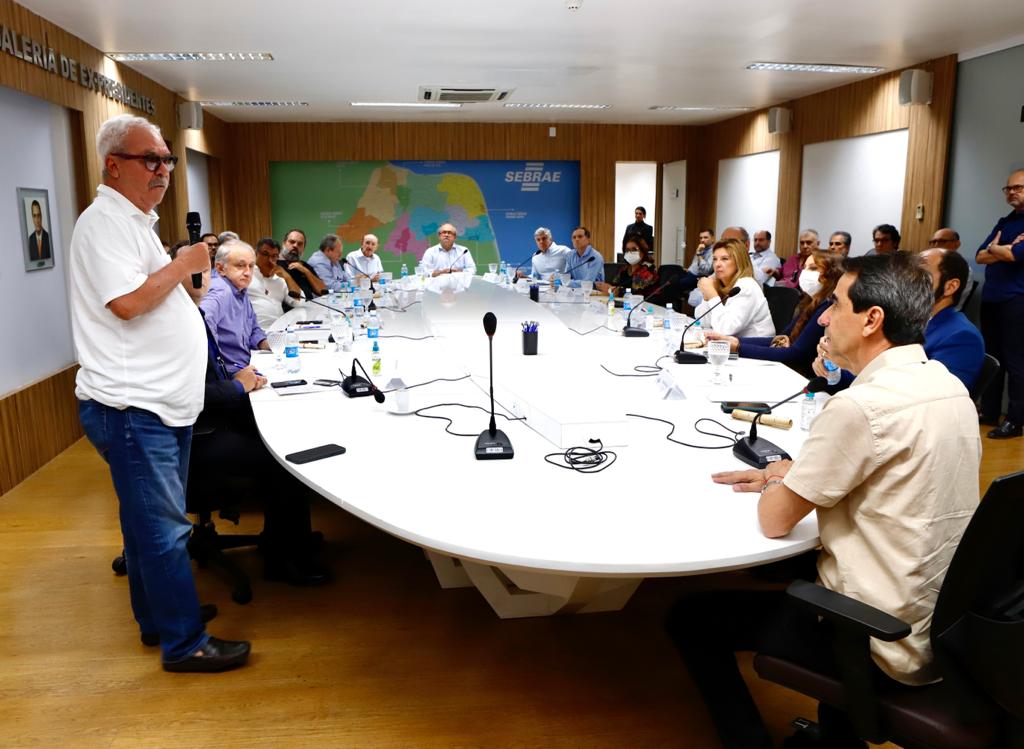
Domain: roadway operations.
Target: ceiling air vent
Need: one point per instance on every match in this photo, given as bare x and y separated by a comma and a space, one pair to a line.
463, 95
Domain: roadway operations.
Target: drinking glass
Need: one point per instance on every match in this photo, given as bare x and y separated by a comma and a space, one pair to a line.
492, 268
275, 339
587, 286
340, 331
718, 354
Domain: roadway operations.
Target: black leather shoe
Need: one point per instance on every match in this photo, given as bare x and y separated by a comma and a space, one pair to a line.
1006, 430
207, 612
302, 573
215, 655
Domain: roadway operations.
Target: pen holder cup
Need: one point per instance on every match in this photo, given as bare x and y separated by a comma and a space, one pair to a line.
534, 295
530, 343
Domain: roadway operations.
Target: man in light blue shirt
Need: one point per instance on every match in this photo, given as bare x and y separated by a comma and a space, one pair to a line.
551, 257
766, 263
586, 264
326, 262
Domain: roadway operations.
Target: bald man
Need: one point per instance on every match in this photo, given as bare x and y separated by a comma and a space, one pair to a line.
364, 263
446, 256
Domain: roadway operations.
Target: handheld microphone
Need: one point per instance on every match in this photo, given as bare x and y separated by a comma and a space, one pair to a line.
355, 386
194, 225
492, 444
758, 452
629, 331
688, 357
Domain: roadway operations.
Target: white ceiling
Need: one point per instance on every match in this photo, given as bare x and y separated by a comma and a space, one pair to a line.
631, 55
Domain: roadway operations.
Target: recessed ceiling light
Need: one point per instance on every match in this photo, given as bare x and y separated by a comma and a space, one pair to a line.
255, 103
699, 109
412, 104
189, 56
800, 67
526, 105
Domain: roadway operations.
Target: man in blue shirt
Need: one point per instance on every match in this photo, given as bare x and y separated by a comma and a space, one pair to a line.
950, 337
1002, 311
326, 262
586, 264
228, 311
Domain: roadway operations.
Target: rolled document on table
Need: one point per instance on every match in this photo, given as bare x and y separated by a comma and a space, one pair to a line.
767, 419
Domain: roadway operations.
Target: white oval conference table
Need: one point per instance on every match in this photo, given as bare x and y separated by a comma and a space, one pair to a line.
533, 538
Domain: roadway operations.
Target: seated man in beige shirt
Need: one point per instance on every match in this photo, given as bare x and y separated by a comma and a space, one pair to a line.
891, 469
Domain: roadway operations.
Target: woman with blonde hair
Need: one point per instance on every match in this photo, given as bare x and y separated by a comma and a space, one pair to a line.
745, 314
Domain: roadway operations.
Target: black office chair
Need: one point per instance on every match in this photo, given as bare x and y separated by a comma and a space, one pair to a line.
977, 635
611, 270
989, 369
667, 273
967, 297
782, 302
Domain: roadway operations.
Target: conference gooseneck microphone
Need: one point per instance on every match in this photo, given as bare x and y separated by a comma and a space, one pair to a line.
580, 265
758, 452
629, 331
529, 258
457, 259
492, 444
689, 357
355, 386
194, 227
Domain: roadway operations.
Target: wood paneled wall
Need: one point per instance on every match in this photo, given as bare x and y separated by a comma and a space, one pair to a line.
596, 147
36, 423
861, 108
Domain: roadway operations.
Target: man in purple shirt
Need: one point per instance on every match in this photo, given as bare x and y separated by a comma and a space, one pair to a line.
229, 313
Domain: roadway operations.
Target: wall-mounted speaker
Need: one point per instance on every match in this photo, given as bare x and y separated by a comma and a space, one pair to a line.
915, 87
780, 120
190, 115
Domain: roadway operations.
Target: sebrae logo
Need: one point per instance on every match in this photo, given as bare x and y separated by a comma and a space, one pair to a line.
532, 176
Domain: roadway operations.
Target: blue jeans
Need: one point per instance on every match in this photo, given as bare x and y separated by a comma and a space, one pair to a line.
149, 466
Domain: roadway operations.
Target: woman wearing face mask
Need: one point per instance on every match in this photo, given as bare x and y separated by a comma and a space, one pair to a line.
745, 314
638, 274
797, 345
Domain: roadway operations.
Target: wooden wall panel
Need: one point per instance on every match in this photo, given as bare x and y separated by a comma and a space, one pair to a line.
597, 147
860, 108
36, 423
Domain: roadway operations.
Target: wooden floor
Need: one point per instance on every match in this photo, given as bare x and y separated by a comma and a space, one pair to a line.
381, 657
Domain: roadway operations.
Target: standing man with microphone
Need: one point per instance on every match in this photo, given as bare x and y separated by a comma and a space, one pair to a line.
142, 351
446, 256
890, 467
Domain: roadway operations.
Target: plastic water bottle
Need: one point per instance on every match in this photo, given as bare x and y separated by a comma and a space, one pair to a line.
373, 326
405, 271
666, 324
808, 410
611, 303
698, 334
503, 269
291, 351
649, 320
375, 358
832, 372
357, 310
627, 303
382, 287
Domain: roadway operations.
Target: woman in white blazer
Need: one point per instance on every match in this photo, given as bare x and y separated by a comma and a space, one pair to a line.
745, 314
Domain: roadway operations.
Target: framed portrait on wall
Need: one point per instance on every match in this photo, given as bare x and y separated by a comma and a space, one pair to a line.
35, 240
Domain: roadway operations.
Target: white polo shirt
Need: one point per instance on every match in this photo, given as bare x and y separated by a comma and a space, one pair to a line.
552, 260
457, 258
267, 295
358, 265
157, 361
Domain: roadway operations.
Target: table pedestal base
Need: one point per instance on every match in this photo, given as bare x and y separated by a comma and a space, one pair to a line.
516, 593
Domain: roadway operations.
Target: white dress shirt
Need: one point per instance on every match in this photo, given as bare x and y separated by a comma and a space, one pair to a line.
552, 260
744, 315
267, 295
358, 265
457, 258
762, 261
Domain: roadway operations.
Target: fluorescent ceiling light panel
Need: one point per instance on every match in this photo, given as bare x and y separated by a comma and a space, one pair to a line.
699, 109
411, 104
800, 67
527, 105
254, 103
189, 56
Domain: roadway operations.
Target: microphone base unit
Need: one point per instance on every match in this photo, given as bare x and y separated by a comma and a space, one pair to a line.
631, 332
689, 357
493, 446
758, 452
356, 387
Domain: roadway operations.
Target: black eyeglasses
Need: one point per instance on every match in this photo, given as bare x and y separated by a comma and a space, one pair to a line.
1013, 188
151, 161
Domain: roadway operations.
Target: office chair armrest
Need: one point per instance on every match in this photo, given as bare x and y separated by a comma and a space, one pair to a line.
847, 613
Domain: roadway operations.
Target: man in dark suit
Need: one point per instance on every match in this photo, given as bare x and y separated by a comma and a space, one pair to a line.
39, 239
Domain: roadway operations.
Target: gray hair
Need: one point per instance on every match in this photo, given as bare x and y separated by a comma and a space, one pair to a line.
812, 232
113, 132
744, 234
847, 239
228, 236
329, 242
226, 248
542, 231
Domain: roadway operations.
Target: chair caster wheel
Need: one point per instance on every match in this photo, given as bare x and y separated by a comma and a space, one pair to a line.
120, 566
242, 596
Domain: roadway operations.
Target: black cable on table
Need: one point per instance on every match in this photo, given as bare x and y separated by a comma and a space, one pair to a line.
584, 459
733, 437
428, 382
418, 412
